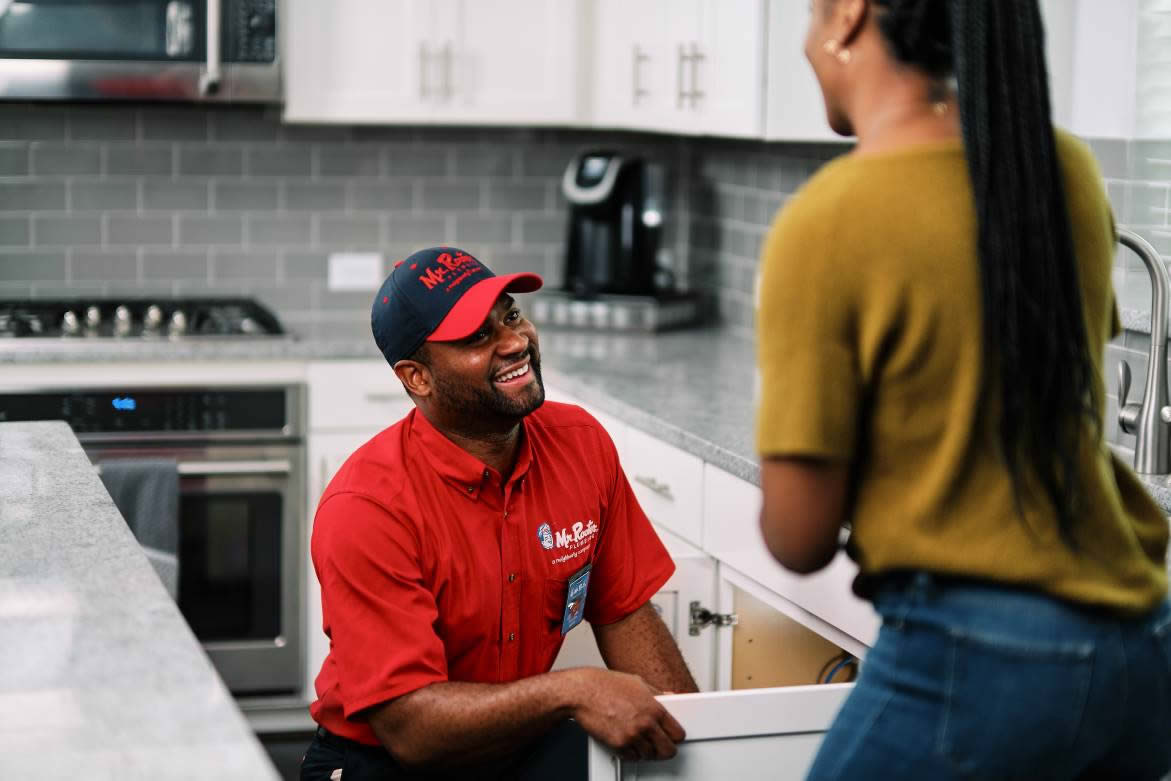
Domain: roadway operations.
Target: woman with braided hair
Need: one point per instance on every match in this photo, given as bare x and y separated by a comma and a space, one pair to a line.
933, 313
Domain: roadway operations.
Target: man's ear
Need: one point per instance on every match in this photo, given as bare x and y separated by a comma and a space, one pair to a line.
849, 19
415, 377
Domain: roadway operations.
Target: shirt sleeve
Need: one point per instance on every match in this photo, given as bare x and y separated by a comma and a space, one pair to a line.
376, 607
810, 383
630, 563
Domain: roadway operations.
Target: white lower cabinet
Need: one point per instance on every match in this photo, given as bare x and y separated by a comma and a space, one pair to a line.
349, 402
766, 715
327, 452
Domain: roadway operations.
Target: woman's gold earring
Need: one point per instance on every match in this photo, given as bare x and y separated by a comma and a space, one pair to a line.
844, 56
831, 47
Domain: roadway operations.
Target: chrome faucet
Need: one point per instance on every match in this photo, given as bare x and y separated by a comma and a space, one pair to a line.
1149, 421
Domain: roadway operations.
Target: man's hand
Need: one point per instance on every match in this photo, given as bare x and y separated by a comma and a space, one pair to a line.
621, 711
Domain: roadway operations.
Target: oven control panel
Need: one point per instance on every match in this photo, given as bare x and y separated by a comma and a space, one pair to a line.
150, 411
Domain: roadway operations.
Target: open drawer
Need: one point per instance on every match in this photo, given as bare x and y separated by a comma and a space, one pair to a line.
770, 709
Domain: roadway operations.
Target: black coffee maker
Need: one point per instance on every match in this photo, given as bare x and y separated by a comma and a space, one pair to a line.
615, 220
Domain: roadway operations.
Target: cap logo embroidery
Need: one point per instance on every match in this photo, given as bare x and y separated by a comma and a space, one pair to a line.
445, 265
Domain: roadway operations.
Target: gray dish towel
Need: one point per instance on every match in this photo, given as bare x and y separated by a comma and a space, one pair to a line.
146, 492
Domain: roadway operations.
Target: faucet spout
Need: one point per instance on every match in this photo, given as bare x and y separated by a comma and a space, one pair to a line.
1150, 420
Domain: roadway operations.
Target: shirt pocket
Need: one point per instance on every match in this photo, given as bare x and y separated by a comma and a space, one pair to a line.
552, 613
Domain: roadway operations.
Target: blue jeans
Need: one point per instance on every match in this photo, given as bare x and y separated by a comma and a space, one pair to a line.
976, 681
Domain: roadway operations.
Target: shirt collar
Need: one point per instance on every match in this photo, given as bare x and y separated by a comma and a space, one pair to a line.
458, 466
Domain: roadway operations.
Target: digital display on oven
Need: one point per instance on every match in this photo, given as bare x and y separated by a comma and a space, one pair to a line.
100, 412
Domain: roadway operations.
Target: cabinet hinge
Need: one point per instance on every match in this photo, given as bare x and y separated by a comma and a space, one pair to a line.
701, 617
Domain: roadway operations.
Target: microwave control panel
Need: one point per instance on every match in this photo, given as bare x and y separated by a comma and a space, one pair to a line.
249, 31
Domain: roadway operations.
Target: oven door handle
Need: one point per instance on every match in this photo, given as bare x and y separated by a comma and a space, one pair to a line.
215, 468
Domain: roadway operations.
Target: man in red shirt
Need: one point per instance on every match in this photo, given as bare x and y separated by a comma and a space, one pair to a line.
456, 549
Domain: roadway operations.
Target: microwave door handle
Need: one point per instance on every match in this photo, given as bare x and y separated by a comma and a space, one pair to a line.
218, 468
209, 81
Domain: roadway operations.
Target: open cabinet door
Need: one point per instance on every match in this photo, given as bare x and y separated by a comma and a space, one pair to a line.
744, 735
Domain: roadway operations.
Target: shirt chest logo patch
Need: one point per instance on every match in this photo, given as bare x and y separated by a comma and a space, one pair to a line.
572, 540
545, 536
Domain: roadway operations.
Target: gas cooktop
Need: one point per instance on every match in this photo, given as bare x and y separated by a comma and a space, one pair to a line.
137, 318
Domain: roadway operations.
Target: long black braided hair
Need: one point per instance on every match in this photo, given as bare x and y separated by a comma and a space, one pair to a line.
1036, 349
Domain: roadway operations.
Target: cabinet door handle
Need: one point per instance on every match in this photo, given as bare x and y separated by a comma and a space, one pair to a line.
448, 66
424, 61
662, 489
696, 56
639, 58
680, 93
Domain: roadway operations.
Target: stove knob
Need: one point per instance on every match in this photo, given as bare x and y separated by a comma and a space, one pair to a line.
178, 323
153, 318
93, 317
123, 321
70, 325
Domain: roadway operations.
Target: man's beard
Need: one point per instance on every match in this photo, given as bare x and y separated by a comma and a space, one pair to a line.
475, 404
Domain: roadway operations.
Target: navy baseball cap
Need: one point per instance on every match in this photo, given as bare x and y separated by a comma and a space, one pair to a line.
438, 294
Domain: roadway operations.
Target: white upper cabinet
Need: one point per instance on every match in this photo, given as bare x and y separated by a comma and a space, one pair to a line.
353, 61
680, 66
795, 109
434, 61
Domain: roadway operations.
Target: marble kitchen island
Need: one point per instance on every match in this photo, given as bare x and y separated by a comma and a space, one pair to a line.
100, 677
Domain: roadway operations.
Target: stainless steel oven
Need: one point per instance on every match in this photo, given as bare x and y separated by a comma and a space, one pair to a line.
240, 456
139, 49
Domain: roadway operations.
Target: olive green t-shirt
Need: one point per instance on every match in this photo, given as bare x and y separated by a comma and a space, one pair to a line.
869, 345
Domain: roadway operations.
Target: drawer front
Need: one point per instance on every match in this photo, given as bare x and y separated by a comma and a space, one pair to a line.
668, 483
355, 395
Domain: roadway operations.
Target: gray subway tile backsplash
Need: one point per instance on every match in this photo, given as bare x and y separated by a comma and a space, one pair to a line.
93, 195
315, 196
15, 231
55, 159
279, 161
32, 265
360, 161
170, 265
218, 230
480, 229
85, 265
279, 230
364, 232
32, 123
145, 160
445, 196
186, 123
200, 199
140, 231
102, 124
230, 264
211, 160
14, 159
233, 196
168, 195
67, 231
397, 195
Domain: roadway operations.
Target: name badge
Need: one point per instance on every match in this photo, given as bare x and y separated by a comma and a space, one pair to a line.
575, 599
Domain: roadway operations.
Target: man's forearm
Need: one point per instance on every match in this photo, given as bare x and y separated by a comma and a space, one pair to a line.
453, 724
642, 645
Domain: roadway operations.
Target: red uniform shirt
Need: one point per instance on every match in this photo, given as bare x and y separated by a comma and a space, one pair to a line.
432, 570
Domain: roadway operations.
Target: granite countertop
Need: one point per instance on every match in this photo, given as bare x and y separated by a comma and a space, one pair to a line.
100, 677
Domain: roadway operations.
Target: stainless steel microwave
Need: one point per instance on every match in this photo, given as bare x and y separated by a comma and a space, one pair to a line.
224, 50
